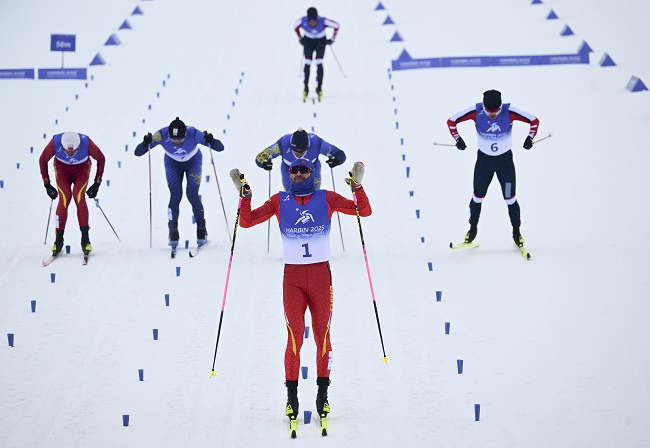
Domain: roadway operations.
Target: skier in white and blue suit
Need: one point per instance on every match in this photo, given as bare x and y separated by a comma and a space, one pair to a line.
300, 145
182, 157
493, 121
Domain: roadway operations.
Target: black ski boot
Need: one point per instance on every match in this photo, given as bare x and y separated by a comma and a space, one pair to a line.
305, 93
85, 239
516, 236
471, 234
58, 243
173, 233
291, 410
292, 399
201, 234
322, 406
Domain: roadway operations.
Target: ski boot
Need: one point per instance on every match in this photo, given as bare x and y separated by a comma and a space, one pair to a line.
319, 92
85, 240
291, 410
58, 243
471, 233
322, 406
516, 236
173, 233
305, 94
201, 235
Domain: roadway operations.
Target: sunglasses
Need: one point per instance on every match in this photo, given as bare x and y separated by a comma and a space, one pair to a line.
299, 169
177, 140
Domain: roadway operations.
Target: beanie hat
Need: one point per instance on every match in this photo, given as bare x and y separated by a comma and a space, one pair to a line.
312, 13
177, 129
300, 140
492, 99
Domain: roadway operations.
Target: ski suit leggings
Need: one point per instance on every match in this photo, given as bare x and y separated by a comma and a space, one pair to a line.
71, 180
175, 171
307, 285
484, 169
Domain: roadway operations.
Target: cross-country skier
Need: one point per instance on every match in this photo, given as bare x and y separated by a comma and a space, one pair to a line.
182, 158
314, 39
304, 215
298, 145
72, 152
493, 121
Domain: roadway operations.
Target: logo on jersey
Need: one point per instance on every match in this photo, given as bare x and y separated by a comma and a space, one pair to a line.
305, 217
180, 151
494, 128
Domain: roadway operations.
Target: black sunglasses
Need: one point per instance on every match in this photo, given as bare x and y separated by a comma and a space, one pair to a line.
299, 169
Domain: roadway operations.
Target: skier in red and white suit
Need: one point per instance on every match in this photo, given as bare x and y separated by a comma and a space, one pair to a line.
304, 215
72, 152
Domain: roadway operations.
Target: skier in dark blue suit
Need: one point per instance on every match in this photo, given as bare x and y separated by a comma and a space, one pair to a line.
182, 157
300, 145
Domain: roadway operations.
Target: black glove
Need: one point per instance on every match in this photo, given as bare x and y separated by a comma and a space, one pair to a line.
147, 139
302, 41
528, 143
267, 164
460, 144
209, 138
51, 191
92, 191
332, 161
329, 41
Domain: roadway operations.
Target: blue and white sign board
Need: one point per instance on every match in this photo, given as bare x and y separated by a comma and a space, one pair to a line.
17, 73
63, 42
62, 73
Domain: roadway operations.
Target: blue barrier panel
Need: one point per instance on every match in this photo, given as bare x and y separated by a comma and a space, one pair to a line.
406, 62
62, 73
17, 73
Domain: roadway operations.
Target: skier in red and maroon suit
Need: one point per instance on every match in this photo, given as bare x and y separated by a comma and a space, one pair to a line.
72, 153
304, 215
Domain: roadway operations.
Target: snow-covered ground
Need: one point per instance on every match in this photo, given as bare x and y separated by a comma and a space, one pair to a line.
554, 349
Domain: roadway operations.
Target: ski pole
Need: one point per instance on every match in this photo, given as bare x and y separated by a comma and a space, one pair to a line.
435, 143
337, 62
150, 204
365, 256
109, 223
337, 213
268, 227
220, 197
543, 138
48, 221
225, 289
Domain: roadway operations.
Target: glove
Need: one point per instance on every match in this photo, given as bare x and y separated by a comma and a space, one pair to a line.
147, 139
329, 41
528, 143
240, 184
51, 191
332, 161
209, 138
460, 144
92, 191
267, 164
302, 41
356, 175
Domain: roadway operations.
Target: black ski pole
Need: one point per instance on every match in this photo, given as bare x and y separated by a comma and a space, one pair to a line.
48, 221
150, 204
216, 178
337, 213
109, 223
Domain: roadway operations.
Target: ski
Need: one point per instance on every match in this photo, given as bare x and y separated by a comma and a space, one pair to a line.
86, 255
463, 245
324, 427
293, 427
50, 260
524, 252
198, 249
